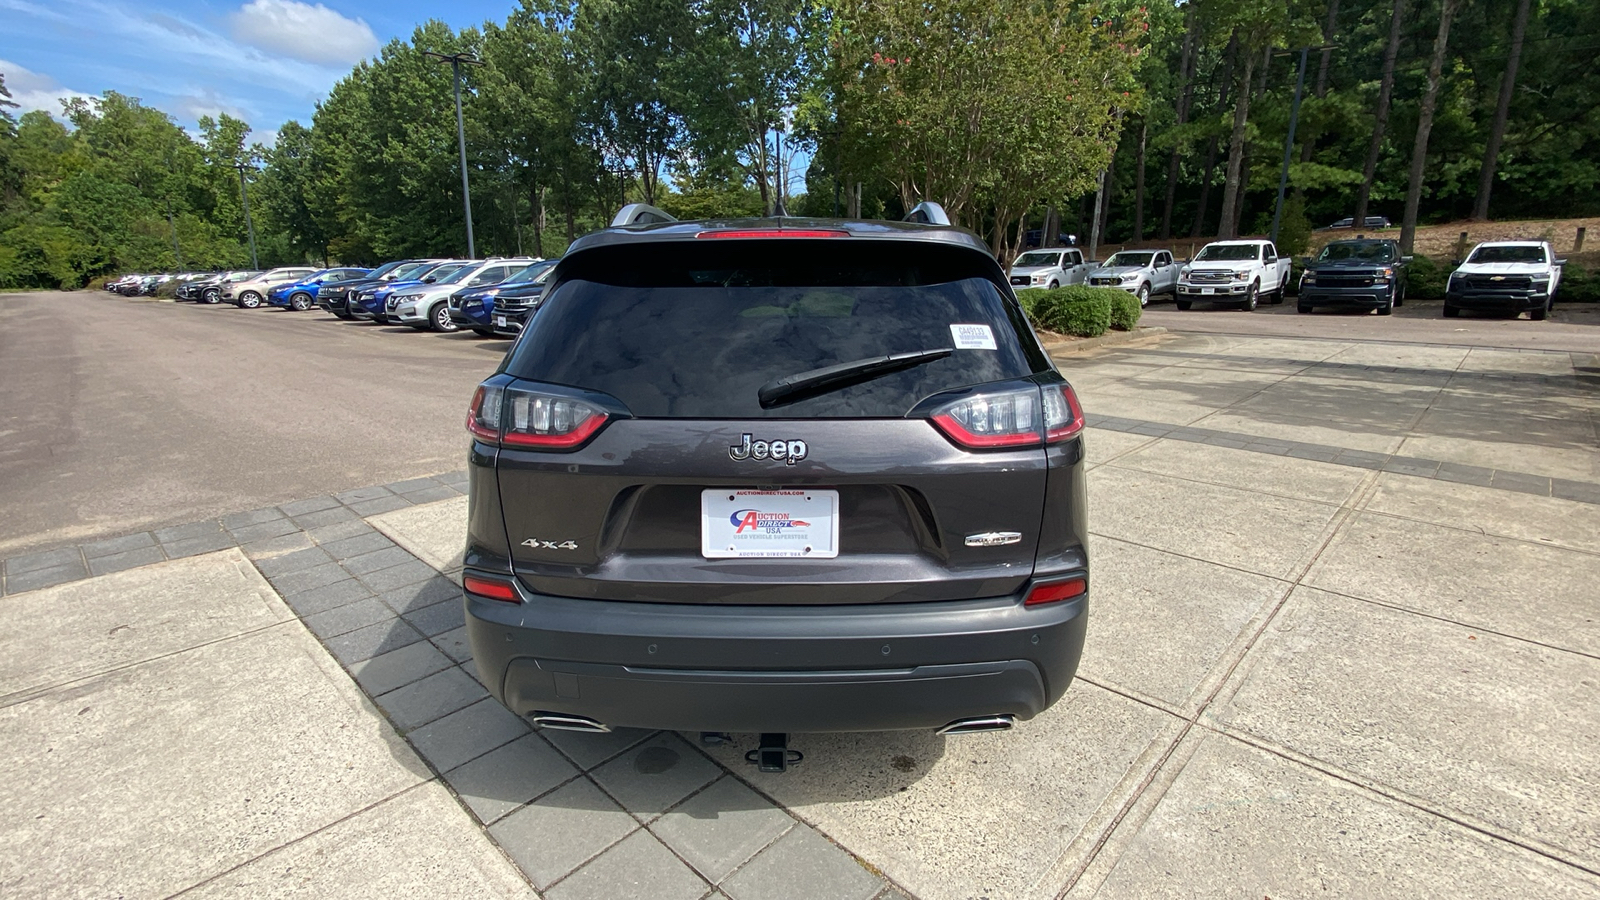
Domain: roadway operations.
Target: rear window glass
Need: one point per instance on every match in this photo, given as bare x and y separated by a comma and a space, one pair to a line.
691, 331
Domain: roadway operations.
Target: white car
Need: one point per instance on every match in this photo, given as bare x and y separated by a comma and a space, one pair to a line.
252, 292
1139, 272
427, 305
1236, 272
1052, 268
1505, 277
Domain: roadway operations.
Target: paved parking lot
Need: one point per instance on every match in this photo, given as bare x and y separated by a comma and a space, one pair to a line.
1343, 641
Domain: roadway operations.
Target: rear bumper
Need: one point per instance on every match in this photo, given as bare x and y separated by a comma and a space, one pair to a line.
777, 668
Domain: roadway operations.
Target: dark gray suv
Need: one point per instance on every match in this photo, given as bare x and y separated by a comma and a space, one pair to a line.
777, 475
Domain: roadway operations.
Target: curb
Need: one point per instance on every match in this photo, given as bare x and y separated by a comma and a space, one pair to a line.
1110, 338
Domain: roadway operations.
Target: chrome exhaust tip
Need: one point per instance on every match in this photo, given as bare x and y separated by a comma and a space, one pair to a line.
565, 722
979, 724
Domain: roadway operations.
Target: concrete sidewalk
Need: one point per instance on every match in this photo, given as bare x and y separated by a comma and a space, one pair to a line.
175, 729
1343, 642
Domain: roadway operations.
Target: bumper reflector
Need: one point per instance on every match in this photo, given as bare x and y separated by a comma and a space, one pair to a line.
1056, 591
494, 589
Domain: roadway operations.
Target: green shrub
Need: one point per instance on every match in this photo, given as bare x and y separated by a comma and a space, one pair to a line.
1125, 310
168, 288
1578, 285
97, 283
1031, 298
1425, 279
1076, 310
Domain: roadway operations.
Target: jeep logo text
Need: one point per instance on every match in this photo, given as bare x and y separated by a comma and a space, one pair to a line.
790, 452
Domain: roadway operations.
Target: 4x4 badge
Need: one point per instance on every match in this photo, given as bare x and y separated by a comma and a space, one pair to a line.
790, 452
537, 544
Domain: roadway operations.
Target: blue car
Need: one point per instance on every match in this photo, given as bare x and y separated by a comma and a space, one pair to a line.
302, 295
369, 304
474, 308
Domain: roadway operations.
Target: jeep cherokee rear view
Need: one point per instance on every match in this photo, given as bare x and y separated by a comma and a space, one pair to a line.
777, 475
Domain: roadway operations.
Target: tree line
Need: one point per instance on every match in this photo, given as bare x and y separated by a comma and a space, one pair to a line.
1132, 121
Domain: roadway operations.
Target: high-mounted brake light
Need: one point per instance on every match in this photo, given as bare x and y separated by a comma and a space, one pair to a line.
774, 233
1056, 591
512, 417
492, 588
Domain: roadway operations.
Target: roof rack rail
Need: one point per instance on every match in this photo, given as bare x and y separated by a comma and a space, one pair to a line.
639, 214
928, 213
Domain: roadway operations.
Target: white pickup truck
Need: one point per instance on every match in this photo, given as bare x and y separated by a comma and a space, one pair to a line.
1507, 277
1238, 272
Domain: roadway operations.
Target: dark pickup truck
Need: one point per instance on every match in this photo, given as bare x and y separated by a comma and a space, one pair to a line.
1364, 274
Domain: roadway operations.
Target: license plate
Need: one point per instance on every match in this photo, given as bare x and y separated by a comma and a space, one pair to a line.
736, 524
500, 321
1208, 290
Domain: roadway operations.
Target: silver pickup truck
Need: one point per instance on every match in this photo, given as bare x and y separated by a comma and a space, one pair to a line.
1142, 273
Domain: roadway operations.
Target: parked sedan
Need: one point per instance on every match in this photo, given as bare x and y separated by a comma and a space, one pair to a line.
477, 308
302, 295
1139, 272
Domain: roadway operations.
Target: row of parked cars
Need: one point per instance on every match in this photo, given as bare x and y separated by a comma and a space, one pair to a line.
488, 296
1508, 277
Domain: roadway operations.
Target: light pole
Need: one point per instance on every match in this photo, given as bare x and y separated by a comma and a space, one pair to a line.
456, 61
244, 196
1288, 144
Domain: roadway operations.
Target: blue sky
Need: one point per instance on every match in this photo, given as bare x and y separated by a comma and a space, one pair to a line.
265, 61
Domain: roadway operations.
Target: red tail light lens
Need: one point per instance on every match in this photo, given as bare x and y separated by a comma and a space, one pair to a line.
990, 421
1056, 591
491, 588
512, 417
1063, 415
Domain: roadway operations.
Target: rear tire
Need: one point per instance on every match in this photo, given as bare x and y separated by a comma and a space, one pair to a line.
1277, 295
1451, 312
1184, 305
249, 300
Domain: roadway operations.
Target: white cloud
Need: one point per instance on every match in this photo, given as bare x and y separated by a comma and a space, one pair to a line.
313, 33
31, 90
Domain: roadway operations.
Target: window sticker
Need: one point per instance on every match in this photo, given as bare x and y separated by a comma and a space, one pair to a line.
973, 337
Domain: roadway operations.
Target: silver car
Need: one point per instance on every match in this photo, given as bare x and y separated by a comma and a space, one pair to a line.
1053, 268
1141, 273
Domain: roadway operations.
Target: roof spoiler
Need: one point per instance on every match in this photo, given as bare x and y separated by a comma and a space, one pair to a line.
928, 213
639, 214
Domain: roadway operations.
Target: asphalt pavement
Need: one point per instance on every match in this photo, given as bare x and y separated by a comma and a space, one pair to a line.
119, 415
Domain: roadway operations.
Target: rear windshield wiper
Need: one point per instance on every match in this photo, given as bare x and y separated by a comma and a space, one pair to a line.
794, 388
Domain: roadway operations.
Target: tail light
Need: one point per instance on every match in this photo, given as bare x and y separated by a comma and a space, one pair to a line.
1056, 591
492, 588
1012, 419
512, 417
